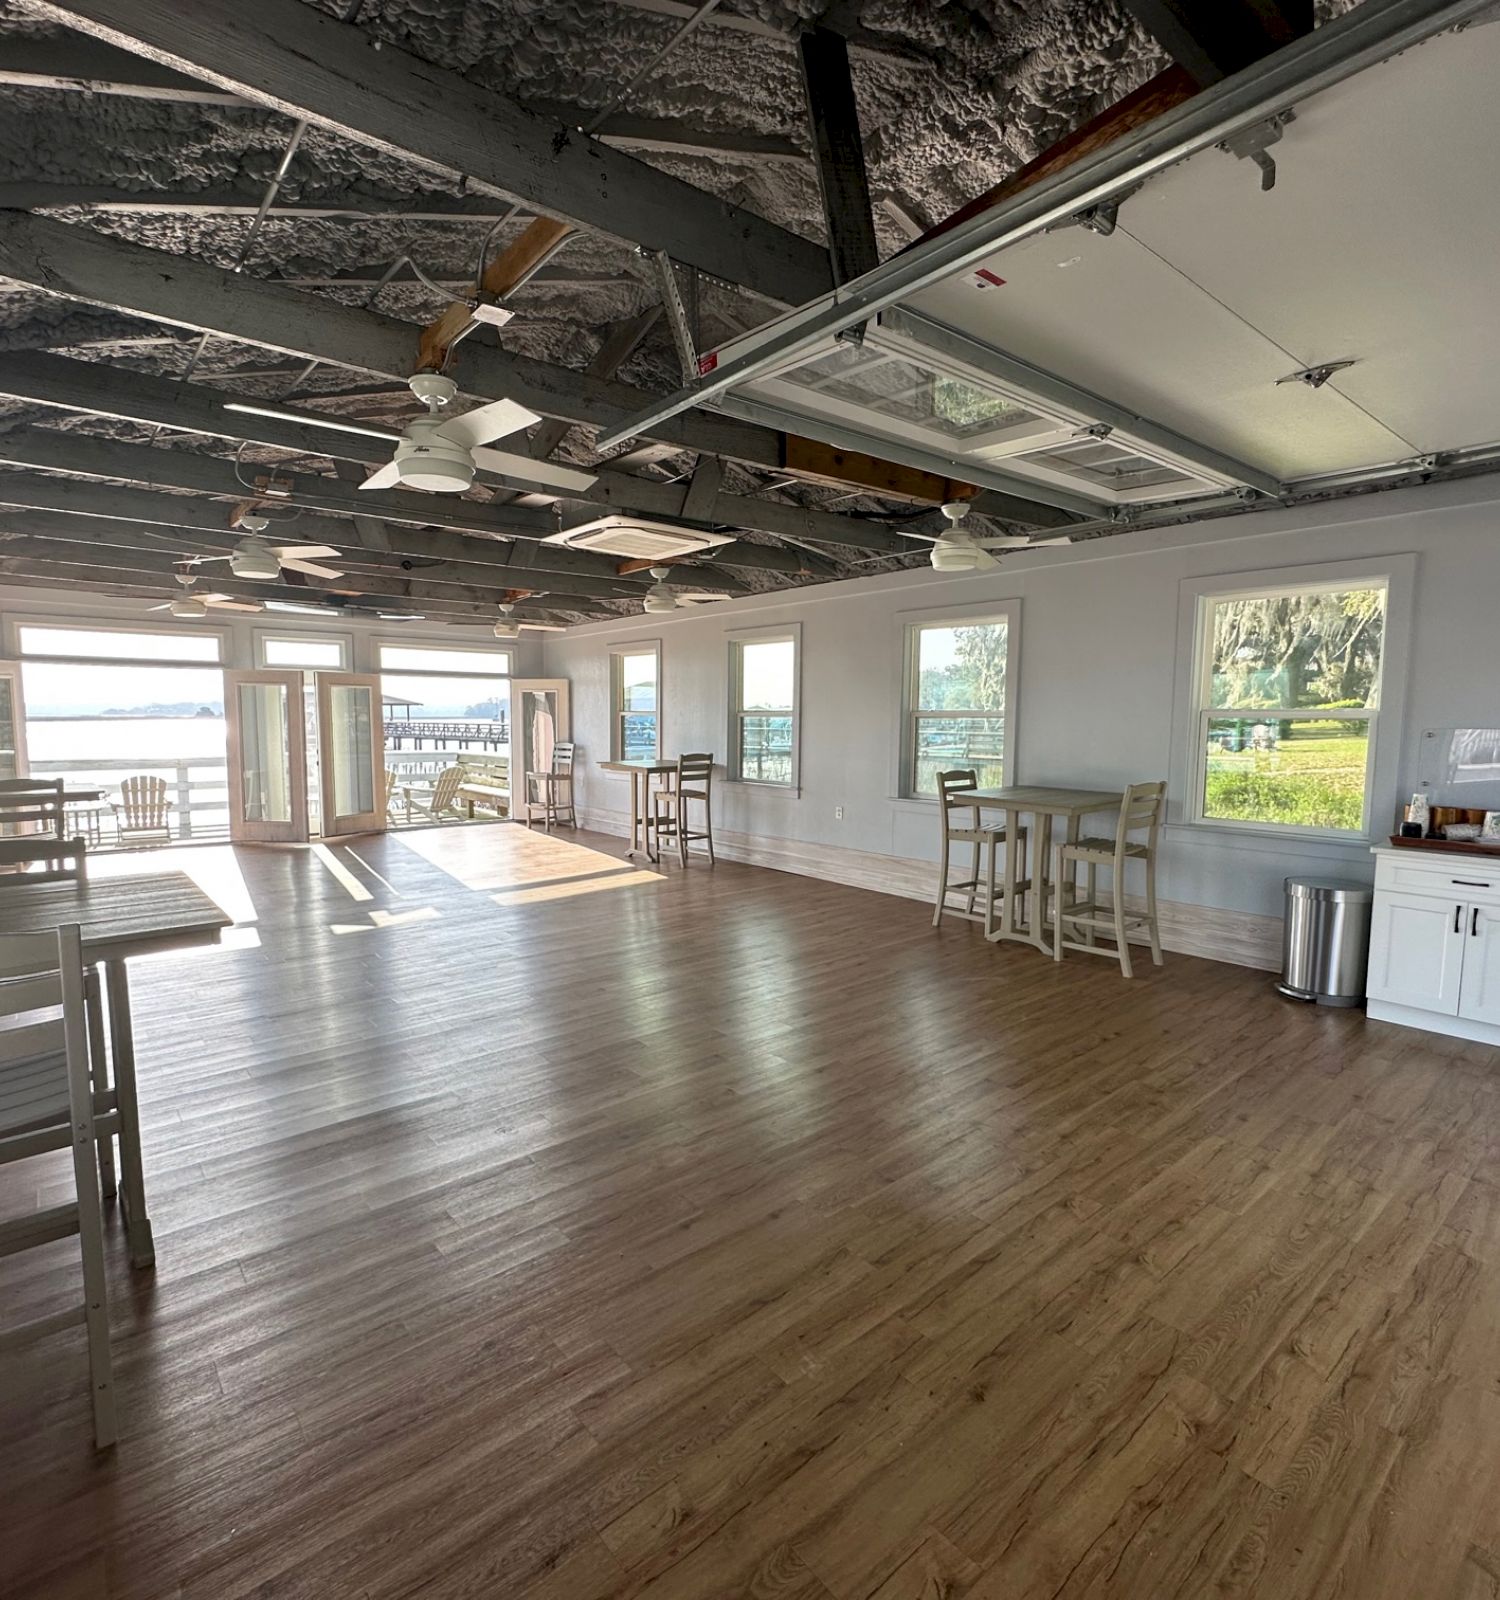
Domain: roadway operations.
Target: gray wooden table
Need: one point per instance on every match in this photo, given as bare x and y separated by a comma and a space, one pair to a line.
121, 917
1042, 802
641, 820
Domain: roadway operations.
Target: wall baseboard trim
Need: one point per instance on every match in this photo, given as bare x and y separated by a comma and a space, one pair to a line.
1239, 937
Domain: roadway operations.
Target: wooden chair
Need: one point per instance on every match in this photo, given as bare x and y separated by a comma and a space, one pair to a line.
59, 860
1140, 812
551, 793
47, 1103
390, 789
32, 806
143, 807
985, 839
438, 801
693, 779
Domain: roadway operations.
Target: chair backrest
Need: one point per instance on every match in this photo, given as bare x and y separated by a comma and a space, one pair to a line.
390, 783
953, 787
1140, 810
144, 801
445, 790
59, 858
696, 768
38, 973
562, 758
33, 804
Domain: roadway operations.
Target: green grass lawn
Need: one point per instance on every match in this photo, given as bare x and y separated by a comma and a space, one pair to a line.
1311, 781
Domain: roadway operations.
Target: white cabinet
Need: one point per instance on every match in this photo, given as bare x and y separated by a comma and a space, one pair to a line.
1435, 943
1479, 998
1417, 951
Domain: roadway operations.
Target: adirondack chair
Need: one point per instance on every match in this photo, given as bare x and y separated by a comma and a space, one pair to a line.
390, 789
143, 807
440, 800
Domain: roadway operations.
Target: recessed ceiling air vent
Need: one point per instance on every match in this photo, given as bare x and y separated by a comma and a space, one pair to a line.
638, 539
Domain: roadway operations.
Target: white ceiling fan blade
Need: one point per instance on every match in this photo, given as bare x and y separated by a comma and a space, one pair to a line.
222, 602
1007, 541
548, 474
166, 605
545, 627
985, 561
385, 477
311, 568
303, 551
494, 421
700, 599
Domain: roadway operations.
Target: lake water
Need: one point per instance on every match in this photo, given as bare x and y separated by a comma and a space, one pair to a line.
126, 739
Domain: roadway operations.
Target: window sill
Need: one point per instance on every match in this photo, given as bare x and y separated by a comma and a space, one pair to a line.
790, 791
1270, 840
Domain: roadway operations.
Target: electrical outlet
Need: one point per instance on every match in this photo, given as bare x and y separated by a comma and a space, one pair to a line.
838, 813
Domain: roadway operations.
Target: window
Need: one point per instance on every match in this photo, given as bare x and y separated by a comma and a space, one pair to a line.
1287, 703
636, 703
957, 700
763, 699
313, 654
118, 644
423, 658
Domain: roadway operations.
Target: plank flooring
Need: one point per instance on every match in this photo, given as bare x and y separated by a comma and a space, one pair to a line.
532, 1225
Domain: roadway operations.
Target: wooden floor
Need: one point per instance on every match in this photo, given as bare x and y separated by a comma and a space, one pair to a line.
541, 1227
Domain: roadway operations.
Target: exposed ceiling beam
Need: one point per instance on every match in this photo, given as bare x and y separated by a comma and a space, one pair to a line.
1213, 38
81, 264
861, 41
527, 564
546, 277
307, 65
839, 153
93, 388
68, 63
118, 553
620, 343
45, 194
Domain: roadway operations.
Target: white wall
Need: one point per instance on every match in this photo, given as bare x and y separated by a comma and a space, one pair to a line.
1098, 668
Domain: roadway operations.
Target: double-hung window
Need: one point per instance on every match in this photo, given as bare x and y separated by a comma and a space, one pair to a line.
957, 701
1287, 693
635, 695
763, 707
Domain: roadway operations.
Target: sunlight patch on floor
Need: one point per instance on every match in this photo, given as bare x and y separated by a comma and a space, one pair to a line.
505, 856
535, 893
384, 920
340, 873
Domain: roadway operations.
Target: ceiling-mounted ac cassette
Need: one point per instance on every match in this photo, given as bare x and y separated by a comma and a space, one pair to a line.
638, 539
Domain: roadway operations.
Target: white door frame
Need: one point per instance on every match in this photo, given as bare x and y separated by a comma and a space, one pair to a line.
243, 829
373, 821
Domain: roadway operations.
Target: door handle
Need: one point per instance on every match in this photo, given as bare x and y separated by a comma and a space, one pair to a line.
1458, 919
1474, 924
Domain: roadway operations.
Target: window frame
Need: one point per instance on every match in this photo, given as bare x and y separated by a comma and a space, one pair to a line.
500, 653
264, 636
912, 624
1192, 711
617, 712
20, 622
786, 633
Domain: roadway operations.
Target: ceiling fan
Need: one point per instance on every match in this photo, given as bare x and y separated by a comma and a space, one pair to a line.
191, 604
438, 455
660, 598
258, 562
959, 549
510, 625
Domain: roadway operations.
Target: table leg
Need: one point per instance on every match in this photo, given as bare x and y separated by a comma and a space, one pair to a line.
1008, 910
653, 834
132, 1176
1041, 880
635, 815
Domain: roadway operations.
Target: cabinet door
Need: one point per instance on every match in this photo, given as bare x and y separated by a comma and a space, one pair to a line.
1417, 951
1479, 996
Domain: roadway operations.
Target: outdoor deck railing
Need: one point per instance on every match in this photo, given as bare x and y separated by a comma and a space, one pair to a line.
188, 778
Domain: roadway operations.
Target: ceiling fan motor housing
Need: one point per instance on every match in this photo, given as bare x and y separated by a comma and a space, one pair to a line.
254, 562
424, 459
955, 555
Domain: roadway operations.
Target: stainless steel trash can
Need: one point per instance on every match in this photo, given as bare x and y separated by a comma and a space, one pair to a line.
1326, 944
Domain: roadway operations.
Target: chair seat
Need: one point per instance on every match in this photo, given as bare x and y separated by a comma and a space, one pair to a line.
33, 1091
982, 835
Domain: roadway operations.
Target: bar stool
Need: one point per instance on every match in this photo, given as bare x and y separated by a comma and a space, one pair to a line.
952, 787
1140, 811
692, 780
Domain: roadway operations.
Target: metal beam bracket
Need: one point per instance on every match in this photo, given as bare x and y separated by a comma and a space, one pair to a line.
1253, 143
677, 316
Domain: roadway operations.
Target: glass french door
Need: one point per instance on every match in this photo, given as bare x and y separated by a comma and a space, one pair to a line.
12, 722
351, 753
267, 757
539, 718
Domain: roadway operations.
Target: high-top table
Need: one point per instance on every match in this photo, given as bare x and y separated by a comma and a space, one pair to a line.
642, 823
1042, 802
139, 915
